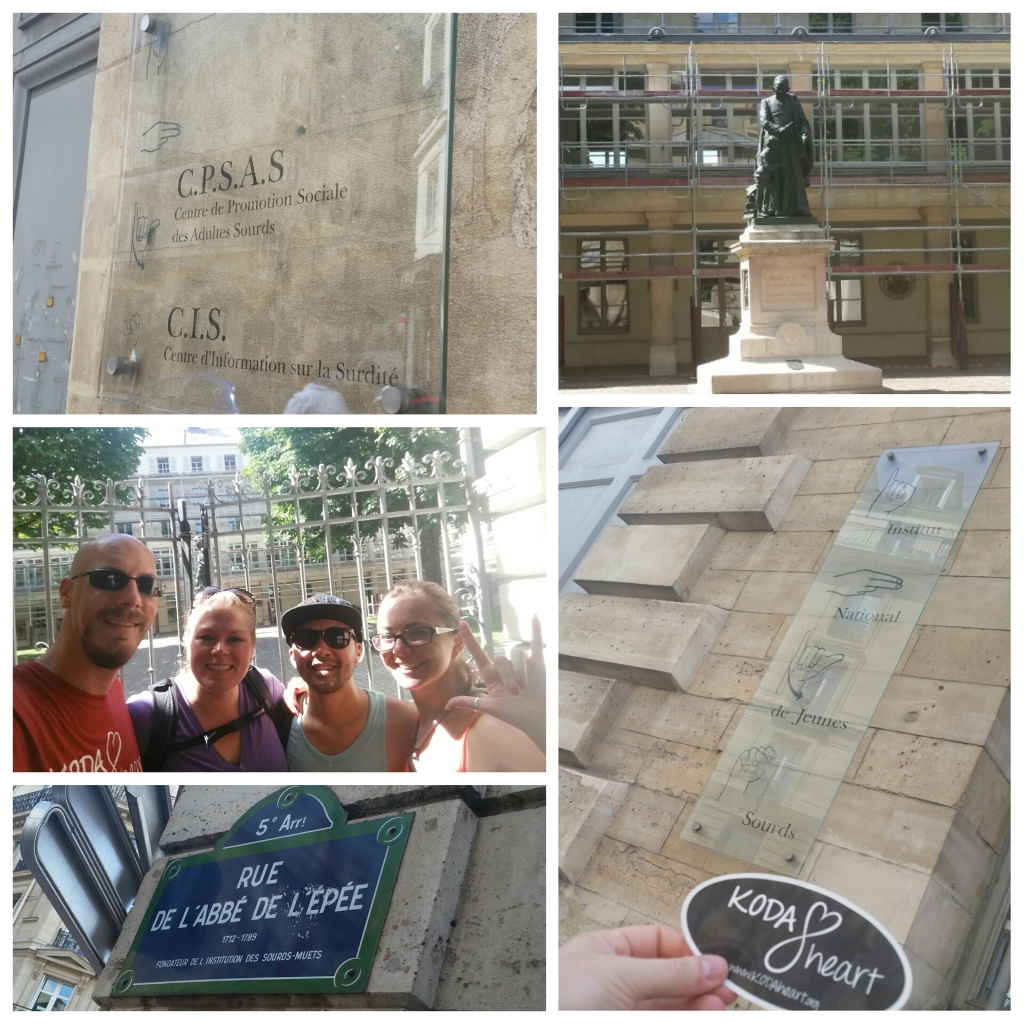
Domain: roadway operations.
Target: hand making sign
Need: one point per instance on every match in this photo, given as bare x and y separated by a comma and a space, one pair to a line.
795, 946
291, 899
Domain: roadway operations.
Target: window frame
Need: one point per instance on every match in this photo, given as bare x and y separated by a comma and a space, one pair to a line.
59, 985
603, 105
836, 285
602, 284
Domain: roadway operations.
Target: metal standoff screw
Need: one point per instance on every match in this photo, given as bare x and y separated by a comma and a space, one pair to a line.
148, 23
890, 456
120, 365
695, 826
790, 856
981, 451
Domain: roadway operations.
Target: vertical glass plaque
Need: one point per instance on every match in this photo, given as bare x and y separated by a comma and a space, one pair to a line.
775, 781
282, 221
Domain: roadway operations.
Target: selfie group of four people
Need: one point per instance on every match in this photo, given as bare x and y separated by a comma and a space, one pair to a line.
222, 713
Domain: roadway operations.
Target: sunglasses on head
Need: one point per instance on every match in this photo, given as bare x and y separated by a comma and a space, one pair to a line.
307, 639
205, 592
114, 579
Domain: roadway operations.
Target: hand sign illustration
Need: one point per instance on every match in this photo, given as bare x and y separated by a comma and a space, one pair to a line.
808, 664
894, 494
165, 130
864, 581
751, 766
142, 232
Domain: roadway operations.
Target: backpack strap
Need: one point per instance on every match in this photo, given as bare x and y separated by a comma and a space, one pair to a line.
279, 712
165, 721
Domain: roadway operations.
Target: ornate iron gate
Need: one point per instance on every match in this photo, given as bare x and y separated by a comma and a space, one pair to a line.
350, 530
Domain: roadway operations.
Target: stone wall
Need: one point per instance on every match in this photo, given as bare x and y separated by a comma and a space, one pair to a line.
465, 928
923, 813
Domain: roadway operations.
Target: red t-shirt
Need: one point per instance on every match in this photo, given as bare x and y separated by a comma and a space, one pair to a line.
58, 728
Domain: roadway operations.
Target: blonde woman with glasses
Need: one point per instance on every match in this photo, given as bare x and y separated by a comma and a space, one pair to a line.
487, 719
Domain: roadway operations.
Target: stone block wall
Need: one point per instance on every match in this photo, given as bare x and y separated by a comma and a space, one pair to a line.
919, 822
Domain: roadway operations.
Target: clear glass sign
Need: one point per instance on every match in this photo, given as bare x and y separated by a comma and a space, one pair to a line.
776, 780
282, 215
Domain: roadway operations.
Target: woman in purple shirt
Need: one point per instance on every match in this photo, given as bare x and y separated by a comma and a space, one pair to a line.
225, 720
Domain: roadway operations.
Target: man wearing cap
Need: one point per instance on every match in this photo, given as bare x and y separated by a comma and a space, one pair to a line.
69, 708
342, 727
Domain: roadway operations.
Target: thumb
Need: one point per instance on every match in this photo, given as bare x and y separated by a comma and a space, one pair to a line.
676, 978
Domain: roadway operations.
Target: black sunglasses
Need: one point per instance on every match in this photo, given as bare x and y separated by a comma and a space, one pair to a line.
114, 579
205, 592
335, 636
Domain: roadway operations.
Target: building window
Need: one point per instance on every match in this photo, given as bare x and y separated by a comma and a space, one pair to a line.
124, 528
830, 23
979, 126
52, 995
721, 129
600, 24
873, 130
284, 554
943, 22
164, 563
163, 465
28, 574
846, 293
717, 22
604, 305
197, 463
229, 464
603, 133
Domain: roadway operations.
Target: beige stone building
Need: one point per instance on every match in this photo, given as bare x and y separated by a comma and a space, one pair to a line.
214, 212
658, 132
685, 610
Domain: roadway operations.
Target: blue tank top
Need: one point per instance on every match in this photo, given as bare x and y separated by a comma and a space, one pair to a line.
368, 753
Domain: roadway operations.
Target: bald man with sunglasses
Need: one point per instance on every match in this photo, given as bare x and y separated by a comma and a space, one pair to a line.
69, 707
341, 727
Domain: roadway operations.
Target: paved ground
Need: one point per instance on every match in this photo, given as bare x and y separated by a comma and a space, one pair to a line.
165, 659
923, 380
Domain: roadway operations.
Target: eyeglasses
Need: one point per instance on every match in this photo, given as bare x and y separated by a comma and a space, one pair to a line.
205, 592
335, 636
114, 579
414, 636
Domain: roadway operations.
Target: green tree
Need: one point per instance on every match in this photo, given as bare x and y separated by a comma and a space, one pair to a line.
62, 453
274, 451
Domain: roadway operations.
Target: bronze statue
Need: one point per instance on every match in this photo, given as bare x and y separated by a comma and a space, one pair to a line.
785, 156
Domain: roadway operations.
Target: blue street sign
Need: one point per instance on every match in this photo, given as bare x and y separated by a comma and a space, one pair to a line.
291, 899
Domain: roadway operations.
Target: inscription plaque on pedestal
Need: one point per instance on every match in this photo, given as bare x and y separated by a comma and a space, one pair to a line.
282, 215
786, 288
775, 781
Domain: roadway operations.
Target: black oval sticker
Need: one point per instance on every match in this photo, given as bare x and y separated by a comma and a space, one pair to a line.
794, 946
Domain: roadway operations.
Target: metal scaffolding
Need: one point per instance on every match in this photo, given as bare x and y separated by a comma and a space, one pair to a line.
864, 121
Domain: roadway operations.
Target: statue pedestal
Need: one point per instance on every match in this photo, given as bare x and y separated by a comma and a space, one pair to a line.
784, 342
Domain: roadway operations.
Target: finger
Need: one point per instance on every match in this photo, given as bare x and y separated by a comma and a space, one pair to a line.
536, 643
518, 671
677, 978
479, 655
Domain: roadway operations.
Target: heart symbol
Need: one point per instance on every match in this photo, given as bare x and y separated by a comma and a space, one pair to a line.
113, 749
